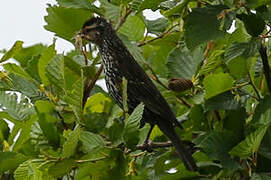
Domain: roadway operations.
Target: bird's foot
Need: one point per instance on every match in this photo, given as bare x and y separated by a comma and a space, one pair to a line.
147, 145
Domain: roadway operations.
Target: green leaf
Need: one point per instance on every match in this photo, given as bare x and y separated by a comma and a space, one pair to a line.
157, 26
256, 3
133, 28
4, 130
217, 145
112, 11
212, 62
75, 4
132, 126
97, 103
97, 170
197, 120
74, 97
149, 4
235, 122
224, 100
156, 132
91, 141
132, 48
47, 121
202, 25
262, 114
239, 35
65, 22
250, 145
13, 51
177, 10
238, 67
18, 110
217, 83
10, 161
45, 58
29, 170
18, 70
25, 86
61, 168
253, 22
257, 176
79, 4
159, 59
32, 68
27, 53
244, 49
84, 171
115, 133
182, 63
69, 146
25, 127
72, 72
55, 73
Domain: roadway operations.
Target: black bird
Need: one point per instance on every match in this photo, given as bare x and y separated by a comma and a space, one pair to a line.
119, 63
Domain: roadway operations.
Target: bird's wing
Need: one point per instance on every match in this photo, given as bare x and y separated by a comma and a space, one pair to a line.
141, 88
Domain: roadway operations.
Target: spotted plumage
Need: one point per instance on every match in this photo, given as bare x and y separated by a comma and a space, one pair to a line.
119, 63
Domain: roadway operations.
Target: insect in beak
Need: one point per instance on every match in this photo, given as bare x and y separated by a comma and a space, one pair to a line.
78, 37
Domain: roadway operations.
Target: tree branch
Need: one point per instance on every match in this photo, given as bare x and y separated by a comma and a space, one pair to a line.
90, 160
254, 87
152, 145
84, 52
89, 87
164, 34
123, 19
266, 67
155, 77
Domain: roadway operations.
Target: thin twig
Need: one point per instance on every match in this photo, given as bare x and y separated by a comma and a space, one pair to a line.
266, 67
138, 154
155, 77
89, 87
184, 102
254, 87
90, 160
158, 37
123, 19
153, 145
84, 52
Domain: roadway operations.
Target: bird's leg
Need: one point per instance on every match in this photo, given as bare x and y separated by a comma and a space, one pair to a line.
147, 142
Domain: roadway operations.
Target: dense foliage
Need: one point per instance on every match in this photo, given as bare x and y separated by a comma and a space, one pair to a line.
60, 133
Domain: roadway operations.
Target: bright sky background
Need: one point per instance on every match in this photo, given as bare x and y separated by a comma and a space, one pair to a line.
24, 20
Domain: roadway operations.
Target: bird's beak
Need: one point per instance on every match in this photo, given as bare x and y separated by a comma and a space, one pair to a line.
79, 34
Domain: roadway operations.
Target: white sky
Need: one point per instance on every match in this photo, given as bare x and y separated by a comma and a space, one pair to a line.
24, 20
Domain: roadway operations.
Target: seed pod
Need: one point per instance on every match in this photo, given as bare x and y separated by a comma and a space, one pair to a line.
179, 84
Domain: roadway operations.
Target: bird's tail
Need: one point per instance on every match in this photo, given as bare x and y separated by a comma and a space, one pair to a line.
184, 154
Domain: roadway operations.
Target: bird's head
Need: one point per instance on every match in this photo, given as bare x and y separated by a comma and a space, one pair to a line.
94, 29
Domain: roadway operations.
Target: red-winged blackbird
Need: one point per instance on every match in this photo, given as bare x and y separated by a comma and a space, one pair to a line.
119, 63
